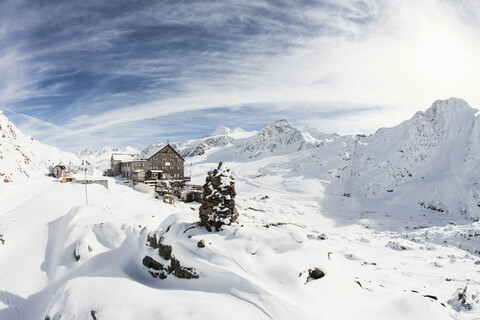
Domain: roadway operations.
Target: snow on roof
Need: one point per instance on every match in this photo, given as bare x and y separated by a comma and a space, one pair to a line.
150, 151
155, 171
138, 170
154, 149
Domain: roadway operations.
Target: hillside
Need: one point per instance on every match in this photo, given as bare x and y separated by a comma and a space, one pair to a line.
21, 156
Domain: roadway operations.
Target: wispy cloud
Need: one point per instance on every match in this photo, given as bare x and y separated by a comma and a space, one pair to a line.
122, 72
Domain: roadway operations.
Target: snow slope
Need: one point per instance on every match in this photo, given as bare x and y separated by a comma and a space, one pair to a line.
21, 156
321, 205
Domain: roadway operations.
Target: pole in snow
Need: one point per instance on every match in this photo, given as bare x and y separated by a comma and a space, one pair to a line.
86, 196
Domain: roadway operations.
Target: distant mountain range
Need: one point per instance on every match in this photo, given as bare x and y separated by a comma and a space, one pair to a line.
100, 159
431, 160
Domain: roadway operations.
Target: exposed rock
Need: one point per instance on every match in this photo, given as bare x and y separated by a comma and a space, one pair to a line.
218, 205
464, 300
160, 270
316, 273
201, 244
77, 256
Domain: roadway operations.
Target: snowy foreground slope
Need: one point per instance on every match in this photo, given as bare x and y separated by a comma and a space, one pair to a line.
306, 200
21, 156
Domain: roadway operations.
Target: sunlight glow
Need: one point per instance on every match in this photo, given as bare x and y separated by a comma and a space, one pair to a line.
441, 55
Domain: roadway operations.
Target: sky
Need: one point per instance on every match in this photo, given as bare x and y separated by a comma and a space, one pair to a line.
85, 74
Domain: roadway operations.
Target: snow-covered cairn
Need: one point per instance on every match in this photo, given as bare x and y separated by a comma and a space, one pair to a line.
218, 205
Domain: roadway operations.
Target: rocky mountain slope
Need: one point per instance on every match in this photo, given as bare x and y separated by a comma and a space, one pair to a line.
21, 156
432, 159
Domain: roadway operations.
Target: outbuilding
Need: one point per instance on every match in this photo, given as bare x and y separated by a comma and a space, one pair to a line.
58, 170
138, 176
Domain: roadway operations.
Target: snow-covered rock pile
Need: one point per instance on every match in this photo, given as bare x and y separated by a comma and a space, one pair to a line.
21, 156
464, 299
218, 207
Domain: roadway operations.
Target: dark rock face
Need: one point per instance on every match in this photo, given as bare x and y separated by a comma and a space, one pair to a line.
159, 270
218, 207
316, 273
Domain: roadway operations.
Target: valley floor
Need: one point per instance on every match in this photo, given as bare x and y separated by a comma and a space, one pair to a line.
62, 258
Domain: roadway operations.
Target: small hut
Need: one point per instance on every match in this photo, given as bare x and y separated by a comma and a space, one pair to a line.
58, 170
138, 176
67, 177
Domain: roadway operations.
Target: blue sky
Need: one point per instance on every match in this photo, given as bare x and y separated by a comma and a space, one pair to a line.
80, 74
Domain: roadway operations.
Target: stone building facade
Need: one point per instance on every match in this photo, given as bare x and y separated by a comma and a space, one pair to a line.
116, 162
164, 164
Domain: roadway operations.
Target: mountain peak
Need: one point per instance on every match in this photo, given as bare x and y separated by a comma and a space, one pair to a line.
452, 106
221, 130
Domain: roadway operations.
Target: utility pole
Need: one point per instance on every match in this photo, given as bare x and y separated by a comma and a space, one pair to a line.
86, 196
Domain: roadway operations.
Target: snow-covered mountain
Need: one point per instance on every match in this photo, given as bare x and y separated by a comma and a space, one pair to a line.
432, 159
100, 159
388, 219
21, 156
273, 138
281, 137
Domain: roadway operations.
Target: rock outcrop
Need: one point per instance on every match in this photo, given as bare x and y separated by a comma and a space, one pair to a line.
161, 269
218, 205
